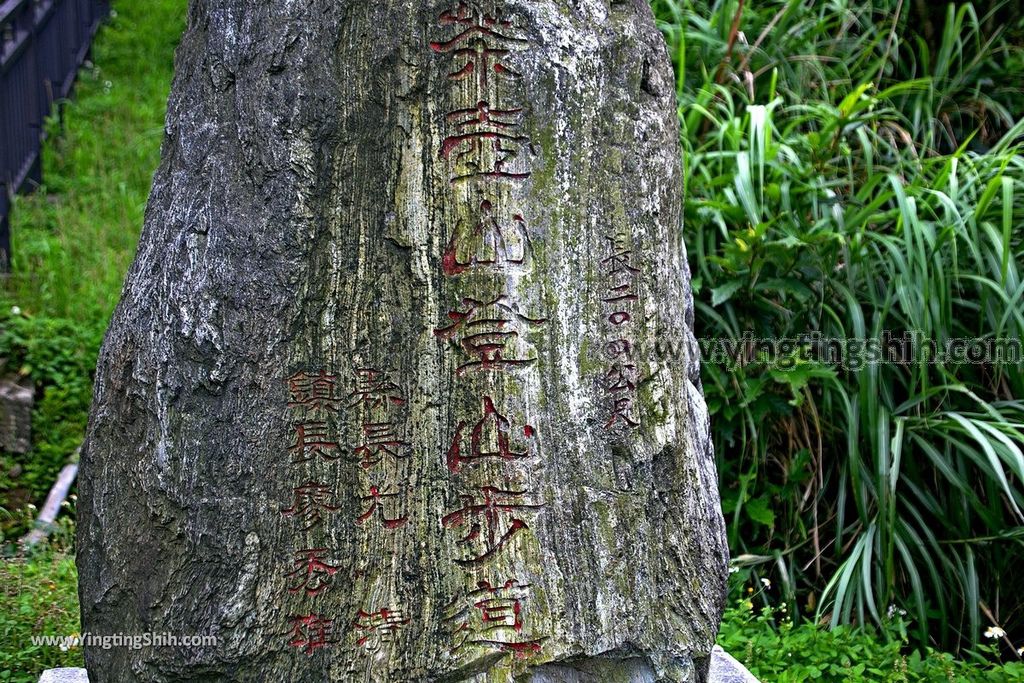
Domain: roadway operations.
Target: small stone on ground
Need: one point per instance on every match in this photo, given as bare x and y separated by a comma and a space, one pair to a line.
726, 669
72, 675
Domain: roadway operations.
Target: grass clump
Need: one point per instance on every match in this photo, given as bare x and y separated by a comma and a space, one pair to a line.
850, 184
39, 597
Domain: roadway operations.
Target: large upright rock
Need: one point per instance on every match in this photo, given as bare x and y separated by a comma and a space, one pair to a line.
380, 401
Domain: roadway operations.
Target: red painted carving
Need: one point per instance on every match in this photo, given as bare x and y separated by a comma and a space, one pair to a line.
377, 398
310, 632
488, 244
486, 117
618, 348
619, 294
312, 575
488, 438
376, 628
492, 617
621, 378
492, 521
489, 332
374, 390
485, 142
479, 43
379, 442
312, 502
619, 318
312, 440
622, 408
377, 501
319, 391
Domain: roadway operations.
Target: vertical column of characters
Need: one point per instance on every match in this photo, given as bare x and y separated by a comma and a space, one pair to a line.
314, 407
619, 297
484, 149
382, 454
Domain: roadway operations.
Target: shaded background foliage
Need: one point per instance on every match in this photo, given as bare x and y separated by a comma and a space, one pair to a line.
853, 168
854, 171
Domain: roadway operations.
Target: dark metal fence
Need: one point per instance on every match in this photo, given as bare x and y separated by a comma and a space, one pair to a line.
42, 45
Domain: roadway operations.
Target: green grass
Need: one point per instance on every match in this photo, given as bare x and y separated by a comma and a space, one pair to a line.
38, 597
74, 238
853, 167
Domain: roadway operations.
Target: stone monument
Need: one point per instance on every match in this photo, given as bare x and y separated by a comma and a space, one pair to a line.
380, 401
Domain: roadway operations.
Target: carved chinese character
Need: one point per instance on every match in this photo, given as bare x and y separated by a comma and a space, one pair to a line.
377, 502
319, 391
489, 332
312, 440
373, 629
492, 617
486, 142
619, 318
618, 348
487, 244
621, 377
380, 441
375, 391
310, 632
312, 502
312, 575
479, 44
491, 519
483, 117
622, 409
488, 438
618, 269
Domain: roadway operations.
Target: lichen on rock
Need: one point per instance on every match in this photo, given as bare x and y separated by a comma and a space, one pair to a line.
381, 401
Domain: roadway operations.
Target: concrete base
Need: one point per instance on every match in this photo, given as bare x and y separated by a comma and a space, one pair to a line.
724, 669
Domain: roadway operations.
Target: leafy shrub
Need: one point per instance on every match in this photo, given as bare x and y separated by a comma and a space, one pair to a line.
774, 648
850, 181
58, 357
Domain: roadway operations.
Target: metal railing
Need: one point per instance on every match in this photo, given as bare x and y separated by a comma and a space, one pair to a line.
42, 45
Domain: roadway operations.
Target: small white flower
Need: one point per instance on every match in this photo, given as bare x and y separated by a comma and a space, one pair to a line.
994, 632
766, 583
733, 570
1020, 651
15, 310
894, 610
63, 647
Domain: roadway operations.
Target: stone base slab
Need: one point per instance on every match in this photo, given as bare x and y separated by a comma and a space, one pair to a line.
724, 669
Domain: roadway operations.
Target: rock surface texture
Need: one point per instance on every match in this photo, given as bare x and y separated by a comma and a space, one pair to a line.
381, 400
